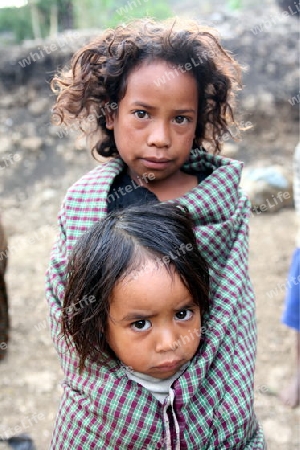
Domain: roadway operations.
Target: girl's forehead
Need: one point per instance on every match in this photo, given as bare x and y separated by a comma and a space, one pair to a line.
149, 267
160, 79
157, 65
152, 287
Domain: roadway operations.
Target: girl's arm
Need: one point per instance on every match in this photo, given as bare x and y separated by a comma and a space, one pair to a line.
55, 285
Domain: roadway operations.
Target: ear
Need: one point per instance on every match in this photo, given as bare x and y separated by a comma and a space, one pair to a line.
110, 120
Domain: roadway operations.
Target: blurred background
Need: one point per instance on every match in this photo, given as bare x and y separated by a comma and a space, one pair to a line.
39, 161
28, 19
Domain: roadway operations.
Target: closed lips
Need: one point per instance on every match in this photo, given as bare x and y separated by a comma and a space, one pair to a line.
169, 364
155, 160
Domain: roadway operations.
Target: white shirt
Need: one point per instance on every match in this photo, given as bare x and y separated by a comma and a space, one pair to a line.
161, 389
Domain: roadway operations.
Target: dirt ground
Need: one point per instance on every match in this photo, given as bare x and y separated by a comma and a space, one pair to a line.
30, 375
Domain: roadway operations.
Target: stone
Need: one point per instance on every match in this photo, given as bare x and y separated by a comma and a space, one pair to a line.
249, 102
6, 144
268, 188
274, 431
39, 106
230, 150
266, 101
50, 142
7, 101
48, 194
32, 143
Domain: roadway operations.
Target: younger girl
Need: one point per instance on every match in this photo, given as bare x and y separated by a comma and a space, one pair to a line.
150, 96
141, 321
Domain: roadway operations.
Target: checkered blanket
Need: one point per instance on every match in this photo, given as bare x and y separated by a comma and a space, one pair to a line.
102, 408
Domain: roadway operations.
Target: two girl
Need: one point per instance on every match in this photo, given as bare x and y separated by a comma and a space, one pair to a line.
173, 85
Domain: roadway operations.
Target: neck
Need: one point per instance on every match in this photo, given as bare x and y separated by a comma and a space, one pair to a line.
169, 188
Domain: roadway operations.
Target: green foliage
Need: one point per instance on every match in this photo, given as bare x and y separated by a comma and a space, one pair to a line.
108, 13
76, 14
16, 20
235, 4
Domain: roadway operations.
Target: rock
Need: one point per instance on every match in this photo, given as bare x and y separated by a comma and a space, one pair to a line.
288, 5
19, 97
7, 101
55, 131
31, 92
40, 381
230, 150
39, 106
6, 144
48, 194
266, 101
31, 129
32, 143
274, 430
16, 138
249, 102
8, 122
268, 188
49, 141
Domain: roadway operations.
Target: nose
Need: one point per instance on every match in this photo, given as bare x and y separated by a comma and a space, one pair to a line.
159, 135
166, 340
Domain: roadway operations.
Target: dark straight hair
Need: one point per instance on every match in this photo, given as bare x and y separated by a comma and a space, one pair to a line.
114, 248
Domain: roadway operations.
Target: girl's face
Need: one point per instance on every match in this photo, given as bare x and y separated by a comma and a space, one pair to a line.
156, 120
154, 325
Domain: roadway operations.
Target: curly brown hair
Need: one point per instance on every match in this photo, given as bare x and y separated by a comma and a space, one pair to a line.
97, 79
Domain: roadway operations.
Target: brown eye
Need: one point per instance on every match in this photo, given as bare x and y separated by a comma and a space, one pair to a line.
141, 325
184, 314
140, 114
181, 119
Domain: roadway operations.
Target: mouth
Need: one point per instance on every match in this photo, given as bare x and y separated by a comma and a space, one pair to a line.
156, 163
169, 365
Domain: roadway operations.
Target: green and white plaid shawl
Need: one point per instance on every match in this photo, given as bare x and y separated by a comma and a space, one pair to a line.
102, 409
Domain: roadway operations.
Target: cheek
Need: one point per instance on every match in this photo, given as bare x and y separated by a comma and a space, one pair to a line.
125, 145
125, 125
120, 341
188, 138
131, 353
193, 341
185, 144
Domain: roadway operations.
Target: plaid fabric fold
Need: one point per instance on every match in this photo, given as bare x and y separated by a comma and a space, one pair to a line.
102, 408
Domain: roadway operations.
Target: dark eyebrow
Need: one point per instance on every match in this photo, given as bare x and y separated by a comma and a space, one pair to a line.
185, 111
177, 111
187, 306
143, 105
134, 317
137, 316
